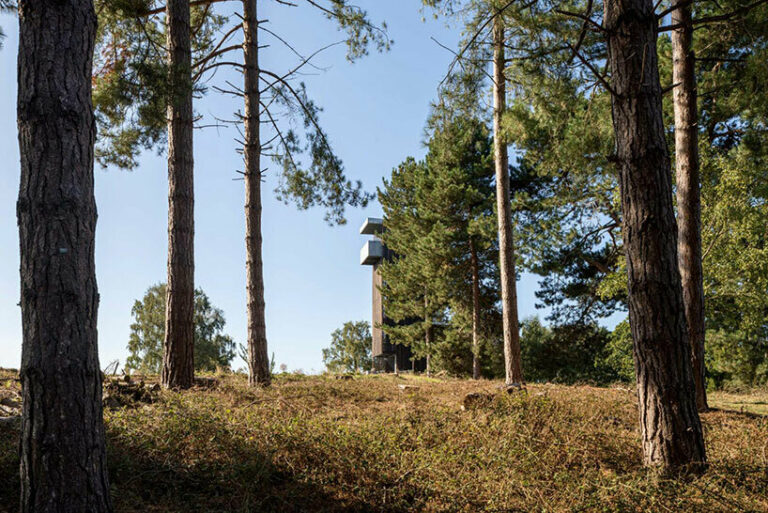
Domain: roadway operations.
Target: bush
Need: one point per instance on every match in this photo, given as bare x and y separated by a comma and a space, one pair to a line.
565, 354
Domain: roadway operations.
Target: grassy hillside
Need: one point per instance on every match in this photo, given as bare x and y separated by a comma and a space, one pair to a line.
320, 444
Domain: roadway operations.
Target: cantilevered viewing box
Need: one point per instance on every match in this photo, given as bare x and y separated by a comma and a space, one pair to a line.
372, 226
372, 252
387, 357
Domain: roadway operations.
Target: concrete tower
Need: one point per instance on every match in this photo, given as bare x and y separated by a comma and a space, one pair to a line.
387, 357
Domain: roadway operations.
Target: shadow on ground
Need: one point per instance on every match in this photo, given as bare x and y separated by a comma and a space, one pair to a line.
249, 482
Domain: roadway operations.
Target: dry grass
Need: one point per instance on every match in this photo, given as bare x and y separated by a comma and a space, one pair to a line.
755, 401
319, 444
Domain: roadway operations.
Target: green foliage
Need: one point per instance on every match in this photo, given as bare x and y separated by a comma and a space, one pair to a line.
350, 349
618, 352
213, 348
735, 213
566, 193
361, 32
413, 304
734, 359
439, 212
322, 182
131, 86
565, 353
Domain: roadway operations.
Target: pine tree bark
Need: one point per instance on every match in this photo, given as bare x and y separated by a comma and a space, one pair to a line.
475, 310
514, 374
63, 456
688, 195
258, 364
178, 355
670, 425
428, 341
428, 335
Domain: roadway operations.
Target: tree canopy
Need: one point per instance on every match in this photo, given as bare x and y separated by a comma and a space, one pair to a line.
350, 349
213, 347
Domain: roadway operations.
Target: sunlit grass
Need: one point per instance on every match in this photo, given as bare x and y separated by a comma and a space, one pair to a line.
315, 443
750, 402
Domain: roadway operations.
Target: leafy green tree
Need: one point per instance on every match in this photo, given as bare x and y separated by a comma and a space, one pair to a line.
736, 359
350, 349
618, 353
213, 348
566, 353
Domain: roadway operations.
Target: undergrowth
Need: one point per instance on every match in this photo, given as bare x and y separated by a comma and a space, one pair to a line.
319, 444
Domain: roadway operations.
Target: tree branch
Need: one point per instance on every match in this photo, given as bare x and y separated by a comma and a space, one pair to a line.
593, 70
193, 3
583, 32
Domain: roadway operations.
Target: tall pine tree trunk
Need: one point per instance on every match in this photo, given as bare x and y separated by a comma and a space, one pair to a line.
475, 310
258, 364
428, 334
63, 456
178, 356
670, 425
514, 374
428, 342
688, 195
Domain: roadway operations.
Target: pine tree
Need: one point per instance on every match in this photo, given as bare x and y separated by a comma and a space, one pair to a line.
321, 183
140, 90
178, 355
439, 222
487, 24
461, 203
413, 301
688, 195
133, 75
63, 453
671, 429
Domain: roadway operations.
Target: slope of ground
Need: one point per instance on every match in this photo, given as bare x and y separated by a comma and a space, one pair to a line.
311, 444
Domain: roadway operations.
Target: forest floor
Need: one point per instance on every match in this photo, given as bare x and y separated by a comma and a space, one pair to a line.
312, 444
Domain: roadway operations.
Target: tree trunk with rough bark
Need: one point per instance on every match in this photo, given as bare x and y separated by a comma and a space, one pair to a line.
475, 310
427, 333
514, 373
258, 364
688, 195
428, 342
671, 429
178, 356
63, 456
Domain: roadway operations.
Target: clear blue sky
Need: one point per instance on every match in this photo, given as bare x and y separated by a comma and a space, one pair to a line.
374, 113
